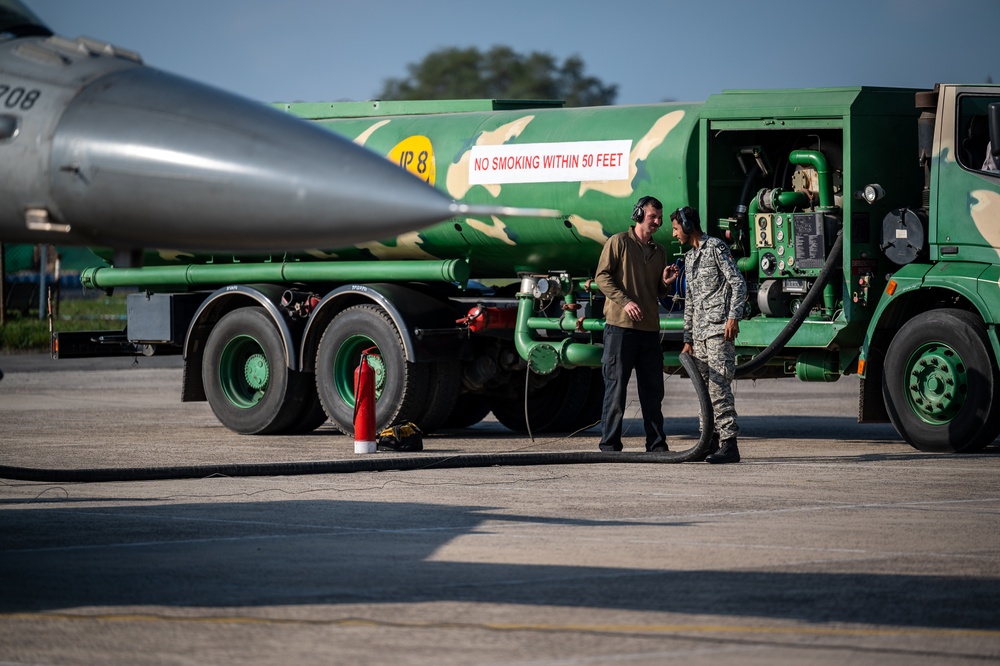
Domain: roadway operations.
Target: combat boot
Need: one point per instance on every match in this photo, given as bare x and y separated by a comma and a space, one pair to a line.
727, 453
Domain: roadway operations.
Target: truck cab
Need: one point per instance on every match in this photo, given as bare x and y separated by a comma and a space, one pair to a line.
932, 344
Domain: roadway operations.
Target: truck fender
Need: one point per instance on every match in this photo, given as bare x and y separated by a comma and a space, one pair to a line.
409, 309
961, 279
219, 303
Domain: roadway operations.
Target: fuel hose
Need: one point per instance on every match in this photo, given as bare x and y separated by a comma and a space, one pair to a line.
393, 462
385, 462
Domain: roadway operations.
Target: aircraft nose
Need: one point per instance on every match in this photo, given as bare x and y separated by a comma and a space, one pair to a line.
141, 151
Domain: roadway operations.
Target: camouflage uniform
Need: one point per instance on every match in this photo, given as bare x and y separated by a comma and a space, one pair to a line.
715, 292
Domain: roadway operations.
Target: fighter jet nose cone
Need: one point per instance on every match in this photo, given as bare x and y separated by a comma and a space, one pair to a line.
142, 157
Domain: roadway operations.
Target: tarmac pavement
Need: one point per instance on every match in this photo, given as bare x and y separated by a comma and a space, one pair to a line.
832, 542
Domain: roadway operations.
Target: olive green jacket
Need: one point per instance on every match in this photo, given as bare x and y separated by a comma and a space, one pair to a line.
632, 271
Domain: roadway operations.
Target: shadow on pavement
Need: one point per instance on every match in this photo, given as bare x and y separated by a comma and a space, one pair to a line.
332, 552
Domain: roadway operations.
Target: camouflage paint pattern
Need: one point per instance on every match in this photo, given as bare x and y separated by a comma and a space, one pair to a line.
967, 211
716, 361
870, 134
440, 147
964, 223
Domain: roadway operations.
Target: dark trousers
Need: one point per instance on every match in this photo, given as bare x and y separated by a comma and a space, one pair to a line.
625, 350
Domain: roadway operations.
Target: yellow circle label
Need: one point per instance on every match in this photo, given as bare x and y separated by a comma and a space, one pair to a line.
416, 155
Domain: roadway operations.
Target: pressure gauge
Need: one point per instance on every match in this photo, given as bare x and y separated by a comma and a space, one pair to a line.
780, 235
781, 266
781, 250
778, 220
767, 263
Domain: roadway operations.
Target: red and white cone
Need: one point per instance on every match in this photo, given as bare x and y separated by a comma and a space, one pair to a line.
364, 406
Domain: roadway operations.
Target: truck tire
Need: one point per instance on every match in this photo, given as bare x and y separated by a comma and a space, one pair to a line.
593, 406
576, 398
247, 381
553, 407
401, 387
470, 409
939, 384
313, 415
445, 385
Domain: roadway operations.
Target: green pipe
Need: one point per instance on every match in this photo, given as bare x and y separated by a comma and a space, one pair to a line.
544, 356
563, 324
672, 324
523, 341
830, 298
450, 270
816, 160
781, 201
749, 262
588, 285
671, 359
583, 355
791, 200
553, 324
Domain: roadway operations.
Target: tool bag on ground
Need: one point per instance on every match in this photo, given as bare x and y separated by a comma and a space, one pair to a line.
404, 436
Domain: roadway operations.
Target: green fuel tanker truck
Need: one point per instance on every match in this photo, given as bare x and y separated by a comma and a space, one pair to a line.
865, 220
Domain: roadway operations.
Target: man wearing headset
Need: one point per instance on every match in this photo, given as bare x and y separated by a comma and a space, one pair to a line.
713, 307
633, 274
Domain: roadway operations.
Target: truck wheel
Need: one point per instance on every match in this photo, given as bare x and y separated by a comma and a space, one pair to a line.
939, 382
401, 387
247, 382
445, 385
551, 408
593, 406
313, 415
470, 409
575, 400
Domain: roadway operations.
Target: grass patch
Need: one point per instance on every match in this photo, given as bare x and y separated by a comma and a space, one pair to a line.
25, 332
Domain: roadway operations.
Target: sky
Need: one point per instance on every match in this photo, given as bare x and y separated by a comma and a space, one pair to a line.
653, 50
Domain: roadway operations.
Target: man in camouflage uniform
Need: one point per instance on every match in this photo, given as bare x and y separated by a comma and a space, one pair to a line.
713, 307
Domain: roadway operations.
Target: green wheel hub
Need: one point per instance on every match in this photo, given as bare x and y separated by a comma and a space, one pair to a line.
257, 371
937, 383
244, 371
347, 361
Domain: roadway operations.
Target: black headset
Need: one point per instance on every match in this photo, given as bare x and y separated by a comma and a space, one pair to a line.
639, 212
687, 217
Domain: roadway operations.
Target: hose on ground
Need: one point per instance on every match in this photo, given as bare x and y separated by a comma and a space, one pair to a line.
385, 463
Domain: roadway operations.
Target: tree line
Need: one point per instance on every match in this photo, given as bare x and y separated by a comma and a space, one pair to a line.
499, 73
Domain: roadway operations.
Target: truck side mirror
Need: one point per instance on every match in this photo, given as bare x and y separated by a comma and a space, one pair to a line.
994, 122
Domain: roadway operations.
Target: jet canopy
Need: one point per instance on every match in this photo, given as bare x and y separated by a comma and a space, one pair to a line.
16, 20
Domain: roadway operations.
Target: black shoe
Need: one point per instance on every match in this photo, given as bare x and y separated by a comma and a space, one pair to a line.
713, 444
659, 448
611, 448
727, 453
